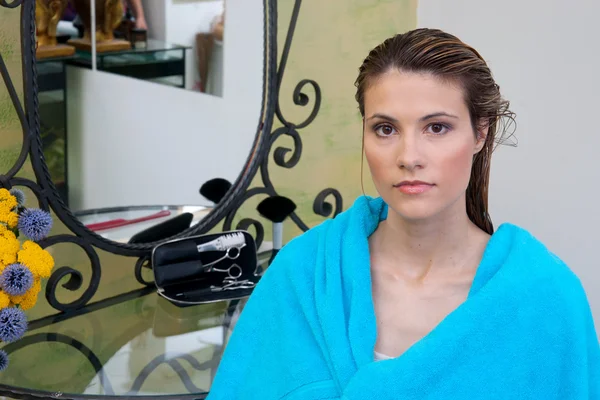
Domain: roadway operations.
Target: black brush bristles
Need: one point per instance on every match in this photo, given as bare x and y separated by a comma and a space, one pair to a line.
215, 189
276, 208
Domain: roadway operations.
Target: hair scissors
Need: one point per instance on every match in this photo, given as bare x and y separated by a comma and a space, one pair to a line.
230, 283
234, 271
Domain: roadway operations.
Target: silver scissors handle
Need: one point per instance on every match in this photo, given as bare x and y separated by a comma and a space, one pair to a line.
233, 272
231, 253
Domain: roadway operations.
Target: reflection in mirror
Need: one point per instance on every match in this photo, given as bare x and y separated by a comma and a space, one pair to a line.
171, 42
10, 127
137, 161
108, 17
141, 224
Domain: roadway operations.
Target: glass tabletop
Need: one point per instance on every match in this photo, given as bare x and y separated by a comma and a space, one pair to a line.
152, 45
155, 51
145, 346
42, 61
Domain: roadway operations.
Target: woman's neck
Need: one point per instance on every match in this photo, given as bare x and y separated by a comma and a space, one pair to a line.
416, 249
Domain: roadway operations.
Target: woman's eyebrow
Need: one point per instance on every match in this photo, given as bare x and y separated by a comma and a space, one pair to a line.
422, 119
436, 115
383, 116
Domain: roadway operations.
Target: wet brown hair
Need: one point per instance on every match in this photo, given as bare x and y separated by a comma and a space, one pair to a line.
447, 57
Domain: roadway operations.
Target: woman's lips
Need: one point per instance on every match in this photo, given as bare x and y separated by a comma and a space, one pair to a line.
413, 187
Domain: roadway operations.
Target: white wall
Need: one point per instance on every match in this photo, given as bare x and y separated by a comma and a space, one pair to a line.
132, 142
178, 22
184, 20
156, 18
544, 57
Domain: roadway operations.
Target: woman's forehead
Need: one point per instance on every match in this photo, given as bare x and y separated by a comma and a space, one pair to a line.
413, 93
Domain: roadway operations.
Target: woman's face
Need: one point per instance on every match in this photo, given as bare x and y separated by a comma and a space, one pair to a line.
419, 143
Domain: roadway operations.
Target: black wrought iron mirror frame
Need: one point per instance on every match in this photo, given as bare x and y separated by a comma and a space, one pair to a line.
44, 188
256, 163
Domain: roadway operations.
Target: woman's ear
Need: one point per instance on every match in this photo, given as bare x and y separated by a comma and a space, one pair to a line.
482, 131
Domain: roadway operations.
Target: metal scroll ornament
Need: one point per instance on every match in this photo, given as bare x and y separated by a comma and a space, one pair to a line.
285, 157
31, 145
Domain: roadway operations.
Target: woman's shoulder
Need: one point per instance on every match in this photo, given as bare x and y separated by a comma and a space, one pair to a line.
537, 263
303, 248
298, 259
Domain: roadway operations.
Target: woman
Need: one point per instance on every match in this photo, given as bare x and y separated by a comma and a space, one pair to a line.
413, 295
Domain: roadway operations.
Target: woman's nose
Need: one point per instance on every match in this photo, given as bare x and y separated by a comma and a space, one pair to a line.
409, 153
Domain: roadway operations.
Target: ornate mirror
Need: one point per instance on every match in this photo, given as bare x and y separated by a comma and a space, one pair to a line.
115, 166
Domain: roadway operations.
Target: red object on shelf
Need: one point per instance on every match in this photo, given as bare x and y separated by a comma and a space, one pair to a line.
117, 223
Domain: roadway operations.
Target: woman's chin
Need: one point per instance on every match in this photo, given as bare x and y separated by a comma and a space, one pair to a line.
414, 212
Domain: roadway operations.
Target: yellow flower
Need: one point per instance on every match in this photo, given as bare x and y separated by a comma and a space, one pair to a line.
9, 218
5, 193
38, 260
7, 201
4, 300
9, 246
30, 297
29, 302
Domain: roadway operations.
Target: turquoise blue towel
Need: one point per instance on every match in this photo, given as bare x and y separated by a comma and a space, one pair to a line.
308, 331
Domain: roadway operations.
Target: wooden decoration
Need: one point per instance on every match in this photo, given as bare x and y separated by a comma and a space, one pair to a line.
109, 14
47, 15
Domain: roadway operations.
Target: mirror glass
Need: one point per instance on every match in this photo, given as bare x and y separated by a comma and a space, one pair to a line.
10, 126
126, 147
179, 43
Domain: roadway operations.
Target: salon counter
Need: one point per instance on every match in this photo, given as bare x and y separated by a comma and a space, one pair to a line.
131, 346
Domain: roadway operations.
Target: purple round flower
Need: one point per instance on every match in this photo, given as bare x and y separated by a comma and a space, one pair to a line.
13, 324
35, 223
16, 279
3, 360
19, 195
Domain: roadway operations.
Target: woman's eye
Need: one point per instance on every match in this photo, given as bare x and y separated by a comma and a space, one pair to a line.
437, 129
385, 130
